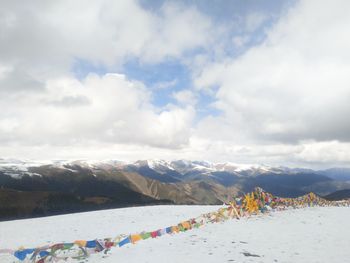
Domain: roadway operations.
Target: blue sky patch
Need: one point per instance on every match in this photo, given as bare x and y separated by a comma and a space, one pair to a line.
163, 78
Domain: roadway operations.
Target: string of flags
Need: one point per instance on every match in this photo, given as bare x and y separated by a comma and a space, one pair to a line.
249, 204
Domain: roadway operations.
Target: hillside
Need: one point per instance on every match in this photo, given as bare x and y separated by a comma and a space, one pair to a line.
338, 195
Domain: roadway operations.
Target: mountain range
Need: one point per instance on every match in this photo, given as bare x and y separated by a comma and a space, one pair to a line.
36, 188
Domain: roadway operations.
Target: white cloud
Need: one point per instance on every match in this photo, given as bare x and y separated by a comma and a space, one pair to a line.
44, 41
43, 105
240, 41
8, 125
165, 84
4, 71
178, 29
324, 153
47, 37
98, 109
185, 97
291, 90
284, 101
294, 86
254, 20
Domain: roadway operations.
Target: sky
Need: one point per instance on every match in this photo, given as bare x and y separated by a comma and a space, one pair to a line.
256, 82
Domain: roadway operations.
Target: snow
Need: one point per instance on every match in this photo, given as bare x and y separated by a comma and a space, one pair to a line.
318, 234
97, 224
17, 168
156, 163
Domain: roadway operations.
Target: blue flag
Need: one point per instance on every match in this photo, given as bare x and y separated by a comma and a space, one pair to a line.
21, 254
124, 242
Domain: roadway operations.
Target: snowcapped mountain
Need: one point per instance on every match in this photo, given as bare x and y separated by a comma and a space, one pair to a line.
182, 167
185, 166
166, 171
17, 168
60, 186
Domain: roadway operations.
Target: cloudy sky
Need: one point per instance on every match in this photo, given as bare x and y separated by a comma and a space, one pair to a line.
243, 81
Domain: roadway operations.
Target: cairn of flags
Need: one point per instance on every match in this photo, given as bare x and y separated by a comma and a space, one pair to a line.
252, 203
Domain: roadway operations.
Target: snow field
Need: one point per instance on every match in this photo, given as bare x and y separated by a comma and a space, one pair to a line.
318, 234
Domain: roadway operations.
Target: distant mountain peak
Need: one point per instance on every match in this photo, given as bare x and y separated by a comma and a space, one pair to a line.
17, 167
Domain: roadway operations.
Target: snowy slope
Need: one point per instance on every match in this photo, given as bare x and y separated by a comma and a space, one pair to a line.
305, 235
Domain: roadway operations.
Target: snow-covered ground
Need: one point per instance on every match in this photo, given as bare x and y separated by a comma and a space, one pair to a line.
304, 235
